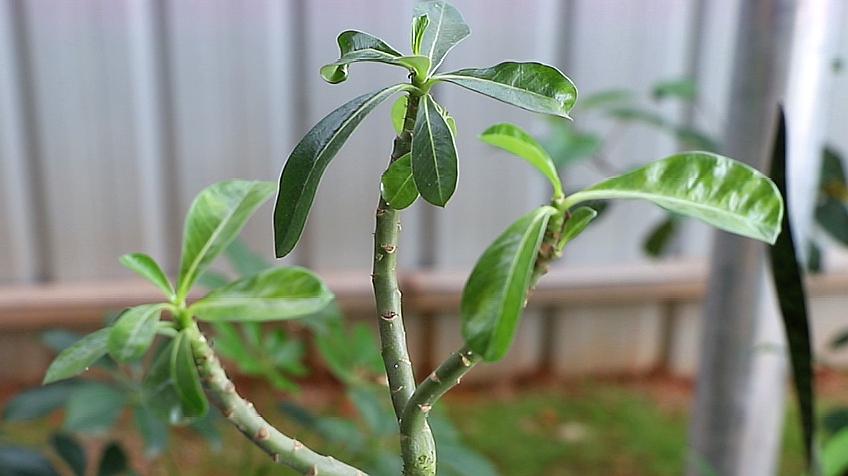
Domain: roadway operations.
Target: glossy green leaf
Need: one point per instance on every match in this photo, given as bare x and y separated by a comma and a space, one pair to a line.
516, 141
496, 291
307, 162
134, 331
419, 26
659, 238
94, 408
792, 301
717, 190
533, 86
186, 379
71, 452
434, 164
114, 461
214, 220
275, 294
399, 113
576, 223
356, 46
445, 29
397, 185
79, 357
38, 402
147, 268
23, 461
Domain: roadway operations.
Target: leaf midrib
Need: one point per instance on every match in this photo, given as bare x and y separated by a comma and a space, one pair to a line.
433, 148
448, 77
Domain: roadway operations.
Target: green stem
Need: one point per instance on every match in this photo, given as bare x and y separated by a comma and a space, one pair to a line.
422, 461
240, 412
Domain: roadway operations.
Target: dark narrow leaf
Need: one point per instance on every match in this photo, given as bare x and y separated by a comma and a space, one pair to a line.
114, 461
356, 46
792, 299
70, 451
434, 163
397, 185
20, 461
93, 408
78, 357
147, 268
832, 216
134, 331
496, 291
307, 162
660, 237
814, 258
38, 402
533, 86
185, 378
445, 28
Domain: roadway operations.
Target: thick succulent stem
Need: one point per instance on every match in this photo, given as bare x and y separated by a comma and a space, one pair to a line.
240, 412
422, 461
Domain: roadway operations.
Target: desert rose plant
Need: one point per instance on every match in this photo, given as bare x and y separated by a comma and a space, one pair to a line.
423, 162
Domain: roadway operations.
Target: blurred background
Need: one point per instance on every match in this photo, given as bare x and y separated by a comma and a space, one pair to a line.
114, 114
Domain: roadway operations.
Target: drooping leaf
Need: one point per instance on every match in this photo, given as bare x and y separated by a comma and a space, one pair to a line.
153, 430
94, 408
419, 26
660, 236
147, 268
496, 291
434, 163
214, 220
38, 402
356, 46
533, 86
134, 331
307, 162
399, 113
78, 357
159, 394
186, 379
114, 461
515, 140
576, 223
21, 461
397, 185
792, 300
445, 29
717, 190
274, 294
684, 89
71, 452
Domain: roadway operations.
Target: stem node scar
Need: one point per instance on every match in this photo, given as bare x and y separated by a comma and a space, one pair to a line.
263, 434
388, 248
389, 316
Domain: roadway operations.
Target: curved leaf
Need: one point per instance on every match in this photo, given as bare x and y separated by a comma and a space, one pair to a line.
275, 294
79, 357
419, 27
71, 452
434, 164
579, 220
533, 86
94, 408
496, 291
399, 113
717, 190
445, 29
147, 268
356, 46
134, 331
307, 162
516, 141
659, 238
397, 185
214, 220
186, 379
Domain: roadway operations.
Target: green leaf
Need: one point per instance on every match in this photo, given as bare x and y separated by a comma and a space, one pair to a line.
114, 461
832, 216
94, 408
717, 190
444, 30
78, 357
579, 220
275, 294
186, 379
814, 258
434, 164
419, 26
399, 113
606, 98
38, 402
533, 86
678, 88
153, 430
497, 288
356, 46
567, 146
69, 449
308, 160
244, 260
832, 170
659, 238
134, 331
58, 340
21, 461
515, 140
214, 220
792, 300
147, 268
158, 391
835, 454
397, 185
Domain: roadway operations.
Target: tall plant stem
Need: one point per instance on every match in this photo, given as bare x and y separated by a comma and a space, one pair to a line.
421, 459
240, 412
